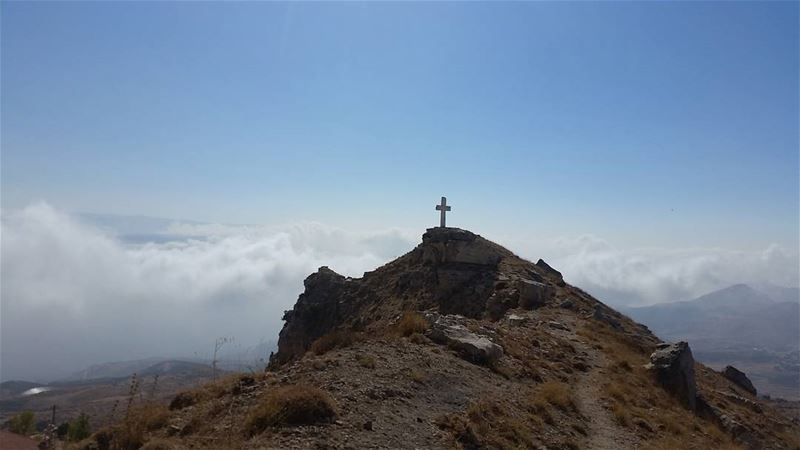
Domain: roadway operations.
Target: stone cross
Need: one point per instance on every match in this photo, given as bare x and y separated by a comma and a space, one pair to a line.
443, 208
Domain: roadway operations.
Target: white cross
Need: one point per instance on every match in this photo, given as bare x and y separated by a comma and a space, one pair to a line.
443, 208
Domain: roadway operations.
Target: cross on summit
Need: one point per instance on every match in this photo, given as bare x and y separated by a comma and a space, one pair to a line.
443, 208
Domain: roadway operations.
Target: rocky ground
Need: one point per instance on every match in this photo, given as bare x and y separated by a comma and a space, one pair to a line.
461, 344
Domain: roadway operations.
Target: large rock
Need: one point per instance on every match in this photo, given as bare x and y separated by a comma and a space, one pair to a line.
673, 365
739, 378
318, 310
604, 314
533, 294
550, 272
442, 246
449, 330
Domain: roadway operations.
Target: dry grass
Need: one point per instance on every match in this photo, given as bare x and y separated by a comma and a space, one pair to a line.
410, 323
417, 376
555, 393
158, 444
487, 424
334, 339
621, 415
290, 405
418, 338
617, 391
366, 361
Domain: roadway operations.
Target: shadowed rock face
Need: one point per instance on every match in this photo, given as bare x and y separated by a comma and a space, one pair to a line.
674, 368
739, 377
453, 271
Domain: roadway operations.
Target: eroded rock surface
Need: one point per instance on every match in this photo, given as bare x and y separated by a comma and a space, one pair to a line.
739, 378
476, 348
673, 365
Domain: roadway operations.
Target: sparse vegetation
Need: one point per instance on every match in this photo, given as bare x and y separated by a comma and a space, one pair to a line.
23, 423
621, 415
334, 339
291, 405
486, 425
412, 322
79, 428
417, 375
555, 393
366, 361
418, 338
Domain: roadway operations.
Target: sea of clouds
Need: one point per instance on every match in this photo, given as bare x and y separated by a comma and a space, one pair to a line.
76, 293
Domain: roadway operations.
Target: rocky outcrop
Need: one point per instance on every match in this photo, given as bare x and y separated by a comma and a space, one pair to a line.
443, 246
604, 314
739, 378
317, 311
733, 427
556, 275
448, 330
673, 366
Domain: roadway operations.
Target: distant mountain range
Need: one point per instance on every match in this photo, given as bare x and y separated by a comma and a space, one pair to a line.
754, 327
739, 316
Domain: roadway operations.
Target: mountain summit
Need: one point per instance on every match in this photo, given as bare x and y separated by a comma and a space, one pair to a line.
462, 344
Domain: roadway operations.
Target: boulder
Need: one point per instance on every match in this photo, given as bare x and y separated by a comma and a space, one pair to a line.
673, 366
448, 330
603, 314
550, 272
516, 320
533, 293
739, 378
567, 304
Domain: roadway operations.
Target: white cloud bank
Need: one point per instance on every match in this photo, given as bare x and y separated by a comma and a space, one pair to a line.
655, 275
73, 294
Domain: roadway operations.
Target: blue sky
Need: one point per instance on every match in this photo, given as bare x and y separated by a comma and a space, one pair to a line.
645, 123
648, 150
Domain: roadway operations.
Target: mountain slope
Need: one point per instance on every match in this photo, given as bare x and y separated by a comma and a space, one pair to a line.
737, 316
460, 343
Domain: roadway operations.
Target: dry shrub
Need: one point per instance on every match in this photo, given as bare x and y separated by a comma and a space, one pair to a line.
616, 391
410, 323
621, 415
713, 431
334, 339
487, 425
417, 376
366, 361
158, 444
130, 432
183, 400
664, 444
673, 426
291, 405
418, 338
555, 393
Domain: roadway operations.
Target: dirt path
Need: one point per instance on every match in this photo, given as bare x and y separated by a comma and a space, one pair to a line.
603, 433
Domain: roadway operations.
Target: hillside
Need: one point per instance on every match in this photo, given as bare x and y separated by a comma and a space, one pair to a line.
754, 328
461, 344
99, 397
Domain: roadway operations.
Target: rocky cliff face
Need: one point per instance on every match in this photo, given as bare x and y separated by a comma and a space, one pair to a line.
452, 271
461, 344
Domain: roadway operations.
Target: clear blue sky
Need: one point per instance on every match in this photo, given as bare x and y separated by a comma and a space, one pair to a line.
655, 123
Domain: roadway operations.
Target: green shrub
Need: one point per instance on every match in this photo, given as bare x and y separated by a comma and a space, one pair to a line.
23, 423
79, 428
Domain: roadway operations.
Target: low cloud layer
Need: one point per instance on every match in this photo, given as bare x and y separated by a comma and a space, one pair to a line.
656, 275
74, 293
